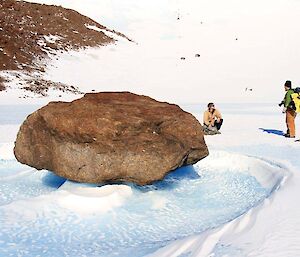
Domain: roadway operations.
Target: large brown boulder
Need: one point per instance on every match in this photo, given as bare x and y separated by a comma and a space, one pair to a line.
105, 137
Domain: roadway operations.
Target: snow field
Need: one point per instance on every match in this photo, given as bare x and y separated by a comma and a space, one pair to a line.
66, 218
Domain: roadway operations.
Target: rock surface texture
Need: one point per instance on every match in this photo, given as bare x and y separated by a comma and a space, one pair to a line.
107, 137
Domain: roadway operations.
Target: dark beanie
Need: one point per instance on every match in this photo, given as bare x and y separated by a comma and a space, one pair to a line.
288, 84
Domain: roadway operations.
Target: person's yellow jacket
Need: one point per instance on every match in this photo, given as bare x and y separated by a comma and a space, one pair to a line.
209, 118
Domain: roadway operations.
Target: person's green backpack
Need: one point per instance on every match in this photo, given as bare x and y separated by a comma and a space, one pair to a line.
296, 99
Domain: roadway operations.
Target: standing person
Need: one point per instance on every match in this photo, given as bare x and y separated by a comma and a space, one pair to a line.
288, 110
212, 120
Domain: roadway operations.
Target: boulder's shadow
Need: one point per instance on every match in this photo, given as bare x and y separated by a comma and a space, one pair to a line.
52, 180
168, 183
172, 179
273, 131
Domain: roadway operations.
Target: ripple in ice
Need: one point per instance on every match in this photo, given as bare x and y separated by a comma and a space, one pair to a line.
19, 182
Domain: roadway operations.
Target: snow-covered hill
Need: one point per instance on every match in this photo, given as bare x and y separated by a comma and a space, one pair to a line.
241, 45
31, 33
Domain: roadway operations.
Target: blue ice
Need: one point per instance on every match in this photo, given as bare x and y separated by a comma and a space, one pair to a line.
188, 201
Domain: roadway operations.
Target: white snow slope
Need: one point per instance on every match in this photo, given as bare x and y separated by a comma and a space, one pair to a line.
242, 44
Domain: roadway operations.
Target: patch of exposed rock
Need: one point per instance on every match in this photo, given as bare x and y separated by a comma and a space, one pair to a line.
41, 87
34, 86
106, 137
2, 87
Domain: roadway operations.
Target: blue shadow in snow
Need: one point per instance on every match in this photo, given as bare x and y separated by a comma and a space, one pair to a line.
273, 131
172, 179
52, 180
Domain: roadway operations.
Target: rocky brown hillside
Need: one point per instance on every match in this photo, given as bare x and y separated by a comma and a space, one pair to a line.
31, 32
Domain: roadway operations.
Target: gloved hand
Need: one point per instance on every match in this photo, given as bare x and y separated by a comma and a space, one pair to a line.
284, 110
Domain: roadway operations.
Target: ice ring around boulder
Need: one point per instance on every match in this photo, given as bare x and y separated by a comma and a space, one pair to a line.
110, 137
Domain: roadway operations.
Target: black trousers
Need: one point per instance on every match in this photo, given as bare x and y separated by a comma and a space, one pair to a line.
218, 125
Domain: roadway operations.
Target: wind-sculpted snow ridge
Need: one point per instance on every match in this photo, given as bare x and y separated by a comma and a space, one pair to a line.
30, 33
269, 174
127, 220
25, 182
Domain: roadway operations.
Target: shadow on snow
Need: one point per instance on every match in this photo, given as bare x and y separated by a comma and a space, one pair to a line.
168, 183
52, 180
273, 131
172, 179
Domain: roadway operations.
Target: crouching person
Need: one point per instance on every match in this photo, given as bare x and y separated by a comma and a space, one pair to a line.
212, 120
